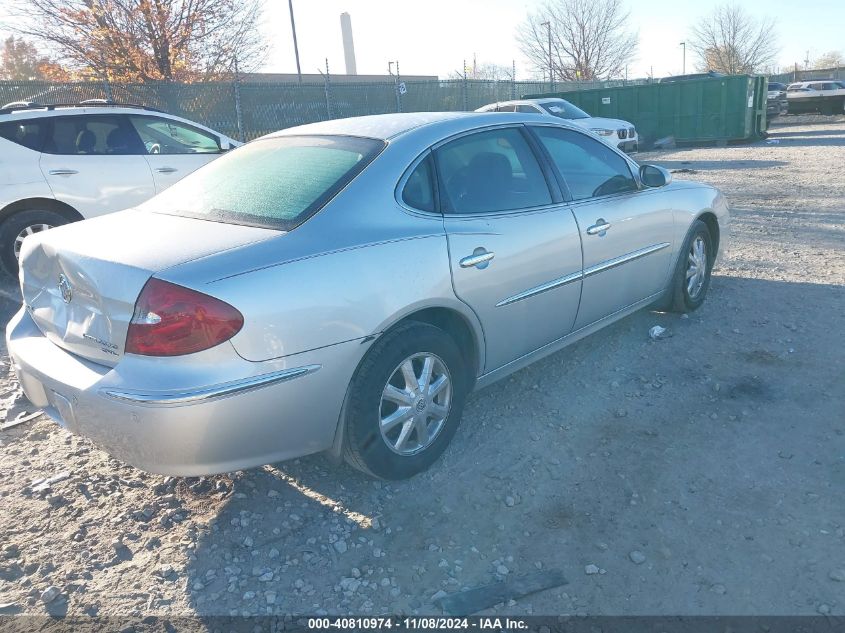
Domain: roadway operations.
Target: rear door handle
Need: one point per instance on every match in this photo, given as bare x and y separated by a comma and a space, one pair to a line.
166, 170
480, 258
599, 228
63, 172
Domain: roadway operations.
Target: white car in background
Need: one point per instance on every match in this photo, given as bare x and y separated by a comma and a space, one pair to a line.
63, 163
614, 132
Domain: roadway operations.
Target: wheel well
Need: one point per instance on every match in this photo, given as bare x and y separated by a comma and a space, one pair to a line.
713, 226
47, 204
458, 328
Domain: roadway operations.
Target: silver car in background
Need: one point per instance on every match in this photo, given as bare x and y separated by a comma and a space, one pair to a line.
342, 287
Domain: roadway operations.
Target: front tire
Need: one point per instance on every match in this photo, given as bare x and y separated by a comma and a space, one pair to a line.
692, 274
20, 225
405, 402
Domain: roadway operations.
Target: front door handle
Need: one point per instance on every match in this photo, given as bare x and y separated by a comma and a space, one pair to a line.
166, 170
63, 172
599, 228
480, 258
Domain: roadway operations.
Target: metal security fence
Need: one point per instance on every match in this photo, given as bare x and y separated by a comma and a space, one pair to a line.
246, 110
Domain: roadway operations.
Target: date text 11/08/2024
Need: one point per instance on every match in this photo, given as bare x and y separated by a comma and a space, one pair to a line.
418, 623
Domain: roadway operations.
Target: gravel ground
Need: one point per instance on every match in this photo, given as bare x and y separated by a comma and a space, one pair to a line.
698, 474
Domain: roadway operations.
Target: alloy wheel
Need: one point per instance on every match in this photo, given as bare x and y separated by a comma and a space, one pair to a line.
26, 232
415, 403
696, 267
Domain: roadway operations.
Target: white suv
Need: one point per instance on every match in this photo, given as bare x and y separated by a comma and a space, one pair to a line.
615, 132
62, 163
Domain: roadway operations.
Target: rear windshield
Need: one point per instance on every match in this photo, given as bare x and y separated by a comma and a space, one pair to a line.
564, 110
274, 183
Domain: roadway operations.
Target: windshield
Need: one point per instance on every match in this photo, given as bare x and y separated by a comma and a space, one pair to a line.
564, 110
273, 183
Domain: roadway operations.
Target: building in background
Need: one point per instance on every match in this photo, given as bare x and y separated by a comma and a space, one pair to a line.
348, 43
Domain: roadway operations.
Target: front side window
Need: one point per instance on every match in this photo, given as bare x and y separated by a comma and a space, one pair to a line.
165, 136
527, 109
94, 134
419, 190
490, 171
589, 168
275, 182
507, 108
29, 134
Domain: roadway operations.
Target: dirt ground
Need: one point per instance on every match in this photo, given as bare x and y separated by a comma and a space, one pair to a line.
699, 474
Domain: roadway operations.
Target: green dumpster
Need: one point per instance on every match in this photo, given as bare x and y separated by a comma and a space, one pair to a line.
710, 110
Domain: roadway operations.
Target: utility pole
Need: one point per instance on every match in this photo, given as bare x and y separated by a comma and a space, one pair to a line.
295, 45
684, 62
548, 26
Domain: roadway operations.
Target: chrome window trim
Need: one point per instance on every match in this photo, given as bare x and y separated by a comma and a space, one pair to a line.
580, 275
204, 394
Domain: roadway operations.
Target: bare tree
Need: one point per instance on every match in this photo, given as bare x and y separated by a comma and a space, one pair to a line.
147, 40
589, 39
831, 59
733, 42
484, 70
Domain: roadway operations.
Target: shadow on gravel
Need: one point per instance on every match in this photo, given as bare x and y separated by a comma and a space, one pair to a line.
714, 454
810, 138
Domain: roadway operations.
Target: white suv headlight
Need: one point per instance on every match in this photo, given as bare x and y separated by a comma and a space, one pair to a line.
602, 131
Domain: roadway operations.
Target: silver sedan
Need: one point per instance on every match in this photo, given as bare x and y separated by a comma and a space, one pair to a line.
342, 287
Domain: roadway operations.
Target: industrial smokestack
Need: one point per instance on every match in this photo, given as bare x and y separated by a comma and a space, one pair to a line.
348, 44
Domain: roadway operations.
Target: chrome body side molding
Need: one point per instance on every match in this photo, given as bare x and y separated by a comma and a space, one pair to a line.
592, 270
196, 396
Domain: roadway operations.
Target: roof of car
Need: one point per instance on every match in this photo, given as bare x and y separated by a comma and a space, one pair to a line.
46, 111
390, 126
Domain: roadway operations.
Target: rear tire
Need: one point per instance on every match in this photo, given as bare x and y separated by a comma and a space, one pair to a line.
17, 226
397, 422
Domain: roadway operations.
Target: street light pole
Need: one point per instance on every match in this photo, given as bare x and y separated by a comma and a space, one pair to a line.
548, 26
684, 71
295, 45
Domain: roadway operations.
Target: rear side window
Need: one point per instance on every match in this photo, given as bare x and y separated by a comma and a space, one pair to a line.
165, 136
275, 183
490, 171
419, 189
29, 134
589, 167
93, 135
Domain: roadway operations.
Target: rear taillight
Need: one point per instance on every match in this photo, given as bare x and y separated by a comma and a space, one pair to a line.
170, 320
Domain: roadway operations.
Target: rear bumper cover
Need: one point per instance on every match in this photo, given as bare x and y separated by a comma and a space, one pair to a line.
265, 412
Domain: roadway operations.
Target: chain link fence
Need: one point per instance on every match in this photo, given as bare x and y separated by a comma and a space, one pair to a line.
246, 110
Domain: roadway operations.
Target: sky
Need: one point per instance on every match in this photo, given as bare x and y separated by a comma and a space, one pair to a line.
433, 37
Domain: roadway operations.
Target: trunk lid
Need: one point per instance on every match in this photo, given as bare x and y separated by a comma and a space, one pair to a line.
80, 281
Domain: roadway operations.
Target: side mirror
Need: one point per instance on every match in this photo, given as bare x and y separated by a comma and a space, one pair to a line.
654, 176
